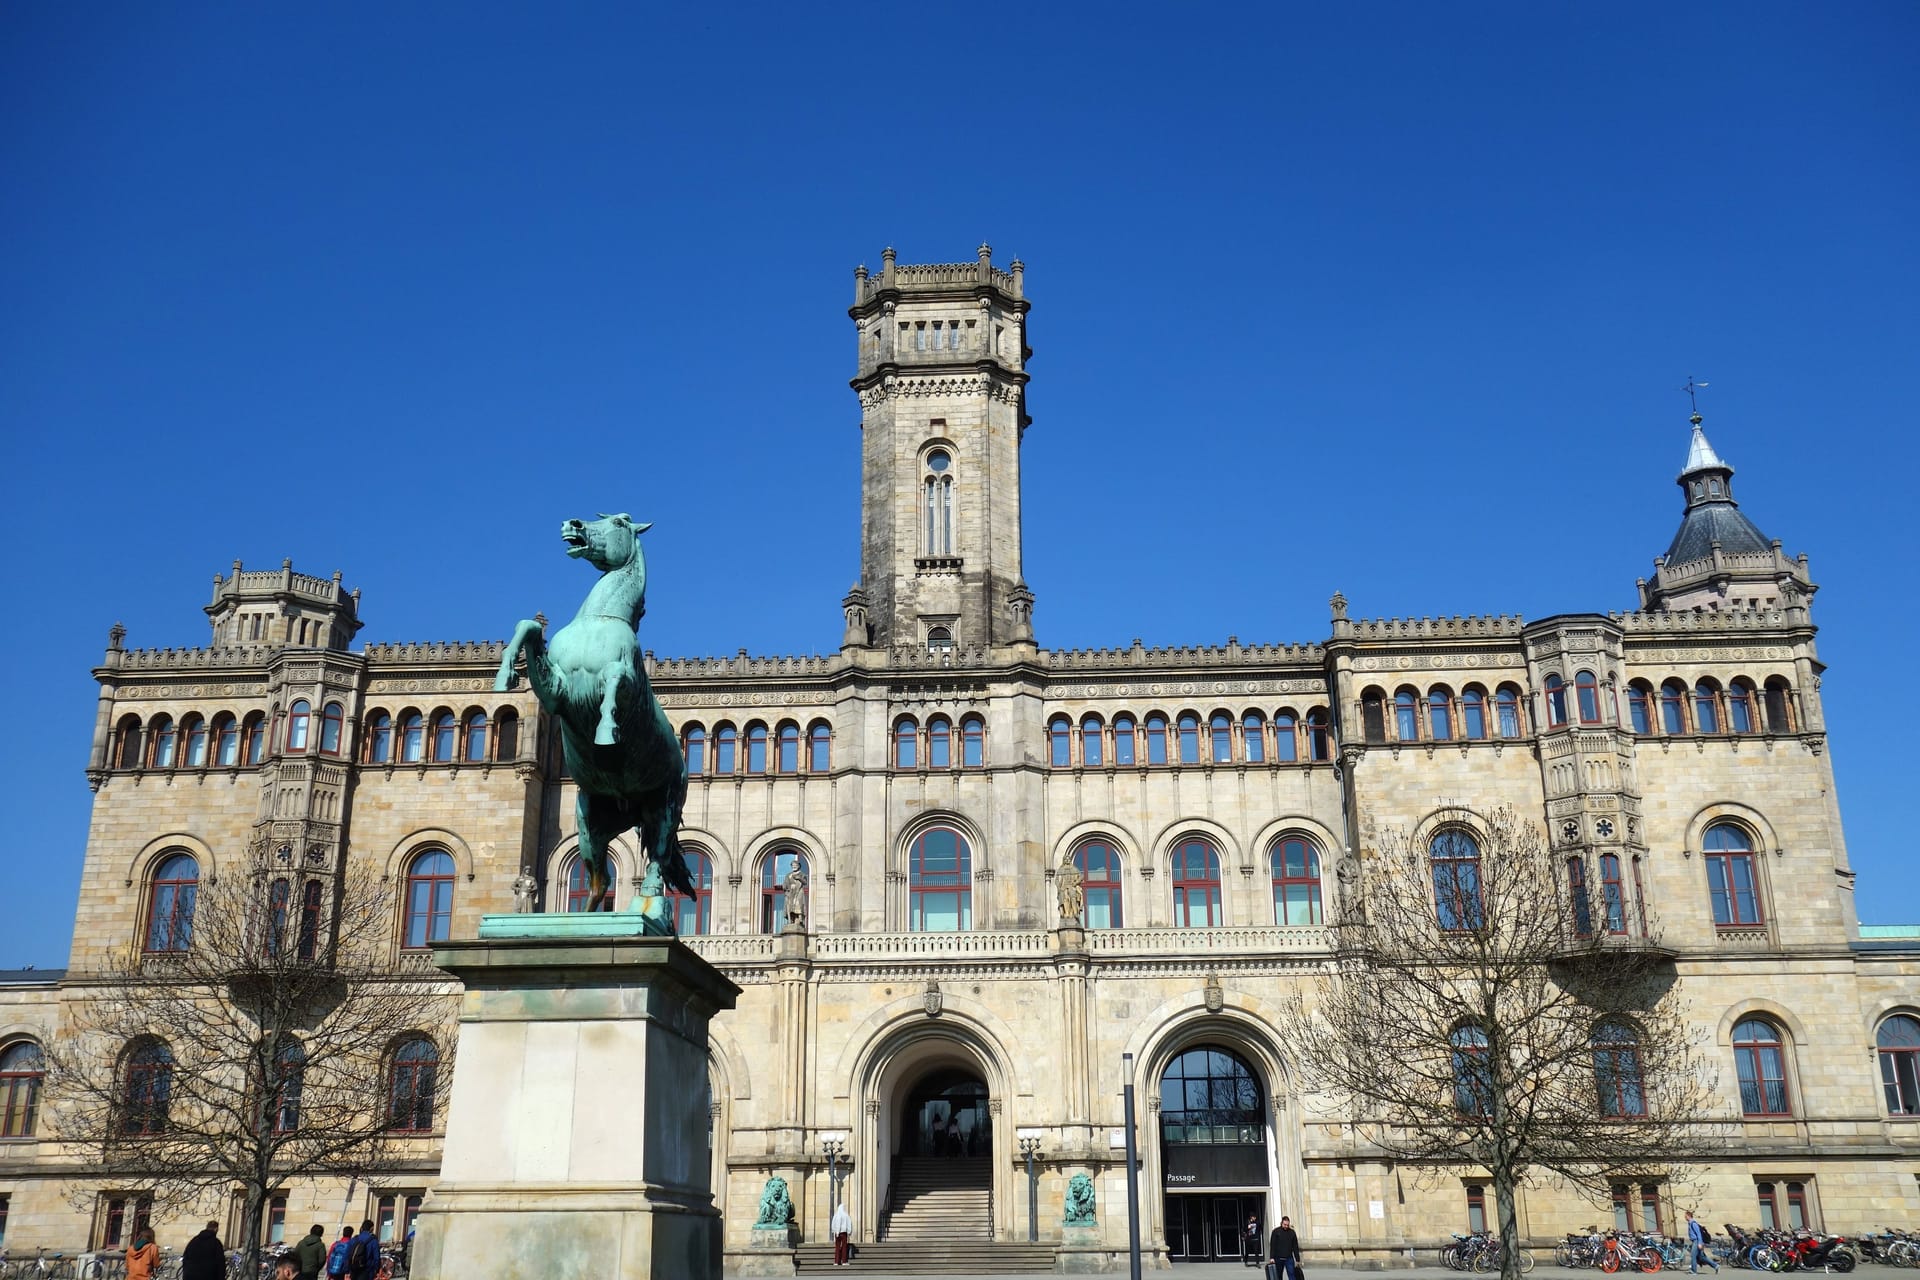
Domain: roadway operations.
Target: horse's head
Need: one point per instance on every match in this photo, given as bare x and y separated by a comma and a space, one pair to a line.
611, 542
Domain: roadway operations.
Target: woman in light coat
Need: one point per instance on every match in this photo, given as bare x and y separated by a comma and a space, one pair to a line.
842, 1227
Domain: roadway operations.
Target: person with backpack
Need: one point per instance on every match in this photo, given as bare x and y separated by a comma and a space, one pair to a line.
363, 1254
337, 1256
204, 1258
1697, 1246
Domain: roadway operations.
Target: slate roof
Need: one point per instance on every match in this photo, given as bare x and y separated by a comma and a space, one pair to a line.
1710, 521
29, 977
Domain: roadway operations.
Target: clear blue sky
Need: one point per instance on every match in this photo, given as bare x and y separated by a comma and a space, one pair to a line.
1390, 298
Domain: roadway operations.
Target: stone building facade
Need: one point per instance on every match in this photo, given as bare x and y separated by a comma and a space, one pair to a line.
935, 779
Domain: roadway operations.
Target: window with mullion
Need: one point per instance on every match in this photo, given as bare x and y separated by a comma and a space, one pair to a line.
1253, 737
1673, 707
789, 757
1556, 702
756, 748
1286, 737
170, 902
1616, 1071
939, 743
1898, 1041
1706, 707
444, 736
1613, 889
1472, 1083
580, 888
148, 1090
1440, 715
1220, 738
693, 915
1406, 716
1123, 740
1731, 876
1473, 714
940, 882
410, 1091
1099, 866
1577, 895
299, 718
1296, 881
474, 737
1189, 739
23, 1066
429, 899
1456, 881
1740, 707
1759, 1056
1587, 694
1196, 885
774, 870
1092, 744
906, 744
1640, 708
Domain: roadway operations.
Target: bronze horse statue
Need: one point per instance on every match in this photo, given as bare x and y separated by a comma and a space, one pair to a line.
620, 748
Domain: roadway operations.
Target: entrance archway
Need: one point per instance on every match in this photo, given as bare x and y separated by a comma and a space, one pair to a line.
946, 1113
1214, 1161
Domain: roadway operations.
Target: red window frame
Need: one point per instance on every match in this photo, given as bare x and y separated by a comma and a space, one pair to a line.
1741, 708
787, 757
1253, 736
1098, 862
170, 901
1059, 742
693, 914
1577, 891
147, 1090
756, 749
333, 728
580, 889
939, 742
926, 885
473, 737
1673, 707
1196, 882
1587, 696
1641, 709
193, 752
1440, 714
693, 748
445, 737
299, 726
1157, 739
973, 742
820, 747
1319, 735
1093, 752
311, 900
1727, 864
162, 739
773, 885
1189, 730
426, 902
23, 1068
1613, 893
1281, 864
412, 1079
1706, 707
1220, 737
1406, 715
1618, 1073
1556, 689
906, 743
726, 750
1760, 1067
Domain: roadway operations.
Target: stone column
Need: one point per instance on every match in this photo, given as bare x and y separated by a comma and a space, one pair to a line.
576, 1144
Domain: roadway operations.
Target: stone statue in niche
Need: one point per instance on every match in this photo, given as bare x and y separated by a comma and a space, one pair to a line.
1070, 886
794, 887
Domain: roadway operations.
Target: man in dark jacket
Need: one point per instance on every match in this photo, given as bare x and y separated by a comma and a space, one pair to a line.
311, 1253
363, 1255
204, 1258
1283, 1249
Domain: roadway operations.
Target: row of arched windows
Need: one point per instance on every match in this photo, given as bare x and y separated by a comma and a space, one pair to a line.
1222, 738
148, 1067
1438, 715
940, 744
1739, 707
413, 737
225, 741
757, 750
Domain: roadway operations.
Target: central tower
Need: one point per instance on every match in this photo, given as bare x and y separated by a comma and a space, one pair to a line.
942, 386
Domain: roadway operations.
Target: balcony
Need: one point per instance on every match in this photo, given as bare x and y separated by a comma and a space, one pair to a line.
1020, 944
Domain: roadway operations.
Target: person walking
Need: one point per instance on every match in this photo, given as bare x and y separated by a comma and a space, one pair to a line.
143, 1255
1250, 1241
204, 1258
311, 1253
337, 1256
363, 1255
842, 1228
1283, 1252
1697, 1247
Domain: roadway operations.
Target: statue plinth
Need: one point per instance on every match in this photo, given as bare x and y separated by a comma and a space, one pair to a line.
576, 1136
769, 1253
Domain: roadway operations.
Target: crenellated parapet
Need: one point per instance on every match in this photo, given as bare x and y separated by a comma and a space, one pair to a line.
207, 659
1473, 627
1231, 654
1705, 621
742, 666
436, 653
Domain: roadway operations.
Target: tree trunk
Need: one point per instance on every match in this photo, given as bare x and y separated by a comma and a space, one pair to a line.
248, 1245
1503, 1196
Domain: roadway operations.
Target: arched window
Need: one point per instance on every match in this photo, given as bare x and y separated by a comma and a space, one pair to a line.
1209, 1096
940, 640
162, 736
148, 1089
311, 895
1577, 896
290, 1069
1639, 897
940, 881
1406, 716
1373, 715
412, 1082
580, 887
938, 497
1587, 694
1760, 1056
973, 742
444, 734
22, 1069
1253, 737
1616, 1070
1092, 747
1099, 865
413, 737
476, 736
1196, 885
1124, 744
126, 747
1456, 880
1706, 707
756, 748
429, 898
1740, 700
1640, 707
939, 742
1673, 707
1319, 735
506, 735
333, 724
1899, 1043
1473, 713
176, 884
1731, 876
253, 737
693, 915
1189, 738
788, 760
726, 742
1506, 708
279, 905
1286, 736
1779, 704
193, 732
774, 870
379, 738
1156, 738
1296, 881
299, 721
1472, 1073
820, 747
906, 743
693, 745
1220, 735
1556, 702
1613, 889
1440, 713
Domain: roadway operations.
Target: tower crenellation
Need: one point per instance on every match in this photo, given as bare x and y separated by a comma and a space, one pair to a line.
281, 607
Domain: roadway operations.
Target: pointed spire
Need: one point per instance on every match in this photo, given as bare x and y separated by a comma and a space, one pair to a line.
1700, 454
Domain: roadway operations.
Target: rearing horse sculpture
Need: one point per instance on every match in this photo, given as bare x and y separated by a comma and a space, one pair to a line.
620, 748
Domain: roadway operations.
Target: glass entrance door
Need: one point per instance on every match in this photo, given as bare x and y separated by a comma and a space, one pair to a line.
1202, 1228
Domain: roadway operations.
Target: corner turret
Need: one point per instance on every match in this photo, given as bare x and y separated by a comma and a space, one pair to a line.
282, 608
1719, 559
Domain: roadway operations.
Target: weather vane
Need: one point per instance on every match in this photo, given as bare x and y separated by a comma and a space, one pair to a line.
1693, 389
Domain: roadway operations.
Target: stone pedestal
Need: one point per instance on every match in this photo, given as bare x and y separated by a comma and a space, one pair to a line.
769, 1253
1083, 1252
577, 1131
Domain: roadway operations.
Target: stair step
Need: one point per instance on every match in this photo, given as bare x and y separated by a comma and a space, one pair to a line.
953, 1258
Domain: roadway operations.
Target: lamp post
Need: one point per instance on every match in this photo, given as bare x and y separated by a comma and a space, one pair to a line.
1133, 1171
1030, 1148
835, 1144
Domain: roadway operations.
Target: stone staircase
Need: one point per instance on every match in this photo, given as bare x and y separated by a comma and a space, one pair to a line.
939, 1221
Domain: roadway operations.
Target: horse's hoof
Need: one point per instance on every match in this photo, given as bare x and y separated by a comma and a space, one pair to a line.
604, 737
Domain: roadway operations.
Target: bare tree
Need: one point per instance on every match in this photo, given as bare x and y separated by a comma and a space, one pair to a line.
249, 1038
1496, 1002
